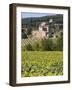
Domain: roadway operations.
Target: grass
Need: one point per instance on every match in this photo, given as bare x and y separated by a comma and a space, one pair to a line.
42, 63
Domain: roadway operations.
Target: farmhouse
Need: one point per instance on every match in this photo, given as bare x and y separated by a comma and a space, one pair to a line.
42, 31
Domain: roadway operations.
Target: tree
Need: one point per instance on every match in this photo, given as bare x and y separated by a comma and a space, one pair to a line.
29, 31
24, 35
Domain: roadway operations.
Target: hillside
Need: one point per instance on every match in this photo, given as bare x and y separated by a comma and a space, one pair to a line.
35, 21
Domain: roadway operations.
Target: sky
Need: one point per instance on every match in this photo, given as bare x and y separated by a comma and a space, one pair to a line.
30, 14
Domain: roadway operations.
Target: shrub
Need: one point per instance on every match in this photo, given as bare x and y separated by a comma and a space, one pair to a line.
48, 44
36, 46
29, 47
59, 44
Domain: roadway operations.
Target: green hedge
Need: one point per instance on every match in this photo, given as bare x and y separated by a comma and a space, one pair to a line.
46, 44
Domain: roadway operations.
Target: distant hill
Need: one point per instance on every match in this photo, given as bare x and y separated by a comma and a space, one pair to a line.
34, 22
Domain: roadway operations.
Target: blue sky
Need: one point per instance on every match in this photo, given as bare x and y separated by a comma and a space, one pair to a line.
30, 14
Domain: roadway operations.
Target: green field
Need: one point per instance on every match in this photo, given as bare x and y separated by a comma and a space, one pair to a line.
42, 63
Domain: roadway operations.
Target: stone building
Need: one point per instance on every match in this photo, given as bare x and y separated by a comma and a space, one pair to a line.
42, 31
